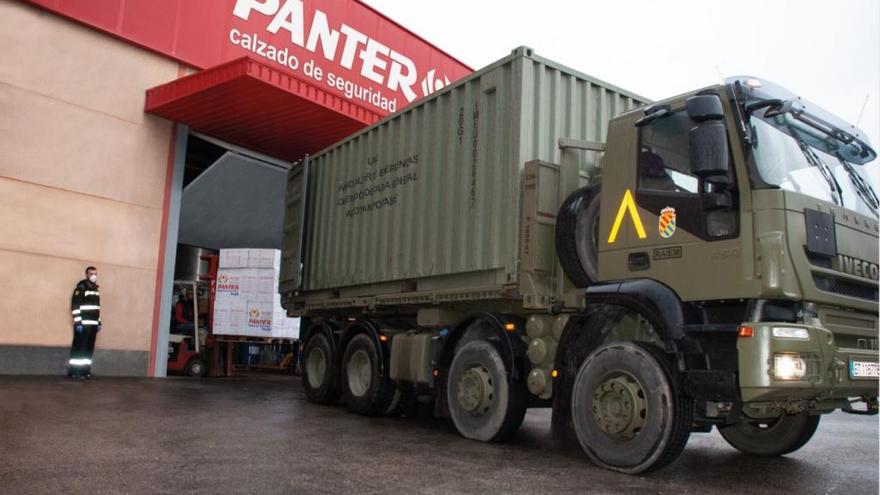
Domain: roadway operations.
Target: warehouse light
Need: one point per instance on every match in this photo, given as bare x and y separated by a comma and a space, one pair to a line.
554, 373
510, 327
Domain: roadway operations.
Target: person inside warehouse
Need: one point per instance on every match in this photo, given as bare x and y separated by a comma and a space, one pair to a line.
85, 305
183, 314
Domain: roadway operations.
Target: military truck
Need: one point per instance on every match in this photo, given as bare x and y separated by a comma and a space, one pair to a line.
531, 236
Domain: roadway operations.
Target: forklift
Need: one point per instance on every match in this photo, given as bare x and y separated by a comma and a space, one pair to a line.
208, 355
186, 352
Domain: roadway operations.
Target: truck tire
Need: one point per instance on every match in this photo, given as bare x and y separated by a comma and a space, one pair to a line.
628, 413
772, 437
364, 389
319, 376
483, 404
577, 231
196, 367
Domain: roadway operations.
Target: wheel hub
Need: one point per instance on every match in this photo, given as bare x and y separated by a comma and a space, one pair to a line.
619, 406
360, 373
475, 390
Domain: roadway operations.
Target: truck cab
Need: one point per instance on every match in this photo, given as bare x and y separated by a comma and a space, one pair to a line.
747, 218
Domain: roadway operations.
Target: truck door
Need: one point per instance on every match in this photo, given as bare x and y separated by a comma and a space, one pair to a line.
664, 220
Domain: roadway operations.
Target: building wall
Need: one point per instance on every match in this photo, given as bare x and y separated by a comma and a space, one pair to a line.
82, 181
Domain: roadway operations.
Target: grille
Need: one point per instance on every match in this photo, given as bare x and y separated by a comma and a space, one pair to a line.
844, 287
817, 260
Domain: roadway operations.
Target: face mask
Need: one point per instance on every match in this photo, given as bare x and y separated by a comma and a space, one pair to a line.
93, 278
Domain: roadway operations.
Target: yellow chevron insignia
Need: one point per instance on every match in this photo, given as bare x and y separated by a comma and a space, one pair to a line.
628, 204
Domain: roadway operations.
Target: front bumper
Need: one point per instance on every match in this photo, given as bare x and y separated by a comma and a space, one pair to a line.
827, 376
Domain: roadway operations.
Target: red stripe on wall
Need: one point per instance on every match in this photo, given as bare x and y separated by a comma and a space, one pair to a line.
163, 238
160, 266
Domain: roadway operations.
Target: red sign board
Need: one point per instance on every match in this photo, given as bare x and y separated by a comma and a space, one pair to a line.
342, 46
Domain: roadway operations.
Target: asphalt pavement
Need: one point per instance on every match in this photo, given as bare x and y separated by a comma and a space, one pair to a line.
260, 435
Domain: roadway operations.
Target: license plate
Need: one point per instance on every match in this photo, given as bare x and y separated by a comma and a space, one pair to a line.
864, 369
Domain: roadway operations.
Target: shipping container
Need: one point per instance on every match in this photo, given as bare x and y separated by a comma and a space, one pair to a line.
425, 206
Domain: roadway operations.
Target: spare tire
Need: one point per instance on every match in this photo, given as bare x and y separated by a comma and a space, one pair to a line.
577, 236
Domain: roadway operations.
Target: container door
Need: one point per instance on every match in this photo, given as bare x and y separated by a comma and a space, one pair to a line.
294, 228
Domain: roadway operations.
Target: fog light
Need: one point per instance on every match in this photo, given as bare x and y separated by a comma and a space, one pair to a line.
791, 333
789, 366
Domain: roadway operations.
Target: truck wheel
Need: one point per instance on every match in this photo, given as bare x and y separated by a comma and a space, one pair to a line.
319, 374
483, 404
196, 367
365, 390
627, 412
771, 437
577, 236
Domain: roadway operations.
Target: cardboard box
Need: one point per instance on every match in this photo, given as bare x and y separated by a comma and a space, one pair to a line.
252, 283
250, 258
234, 258
247, 301
264, 258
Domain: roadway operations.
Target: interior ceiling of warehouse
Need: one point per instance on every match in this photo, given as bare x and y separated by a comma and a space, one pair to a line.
237, 202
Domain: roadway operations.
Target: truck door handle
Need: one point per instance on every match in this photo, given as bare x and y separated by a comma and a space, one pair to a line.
639, 261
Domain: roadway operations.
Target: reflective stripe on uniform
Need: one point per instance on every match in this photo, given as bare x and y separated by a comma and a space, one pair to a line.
79, 362
91, 322
91, 293
75, 311
88, 307
77, 318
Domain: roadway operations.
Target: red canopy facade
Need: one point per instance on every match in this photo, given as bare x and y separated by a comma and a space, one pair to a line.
284, 77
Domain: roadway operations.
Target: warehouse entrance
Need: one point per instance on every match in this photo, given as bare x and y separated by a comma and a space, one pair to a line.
225, 315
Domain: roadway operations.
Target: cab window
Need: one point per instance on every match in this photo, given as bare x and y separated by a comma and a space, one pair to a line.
664, 164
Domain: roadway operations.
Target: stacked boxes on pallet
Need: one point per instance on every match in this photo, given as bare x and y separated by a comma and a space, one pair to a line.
248, 303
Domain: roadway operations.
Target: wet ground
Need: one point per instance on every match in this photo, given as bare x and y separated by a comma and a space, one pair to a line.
259, 435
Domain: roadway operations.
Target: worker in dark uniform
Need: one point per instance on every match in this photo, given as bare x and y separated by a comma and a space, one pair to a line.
86, 308
183, 314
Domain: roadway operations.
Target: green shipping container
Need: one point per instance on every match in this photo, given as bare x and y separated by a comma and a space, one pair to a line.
425, 206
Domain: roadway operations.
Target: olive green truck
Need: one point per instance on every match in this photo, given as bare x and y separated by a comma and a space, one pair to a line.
533, 237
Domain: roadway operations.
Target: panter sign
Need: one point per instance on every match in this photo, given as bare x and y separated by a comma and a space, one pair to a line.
340, 46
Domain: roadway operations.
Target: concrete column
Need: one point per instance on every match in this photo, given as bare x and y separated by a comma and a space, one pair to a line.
160, 356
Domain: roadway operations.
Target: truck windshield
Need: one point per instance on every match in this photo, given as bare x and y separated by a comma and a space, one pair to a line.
784, 162
800, 147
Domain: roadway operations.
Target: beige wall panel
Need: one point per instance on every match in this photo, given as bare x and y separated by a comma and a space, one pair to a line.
47, 54
70, 225
51, 142
43, 286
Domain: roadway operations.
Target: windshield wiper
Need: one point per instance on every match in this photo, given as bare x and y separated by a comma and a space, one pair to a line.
826, 172
863, 189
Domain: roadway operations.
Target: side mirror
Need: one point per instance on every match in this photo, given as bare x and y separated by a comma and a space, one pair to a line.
708, 149
708, 140
701, 108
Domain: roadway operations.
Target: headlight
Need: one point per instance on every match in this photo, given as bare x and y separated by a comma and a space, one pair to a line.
791, 333
789, 366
